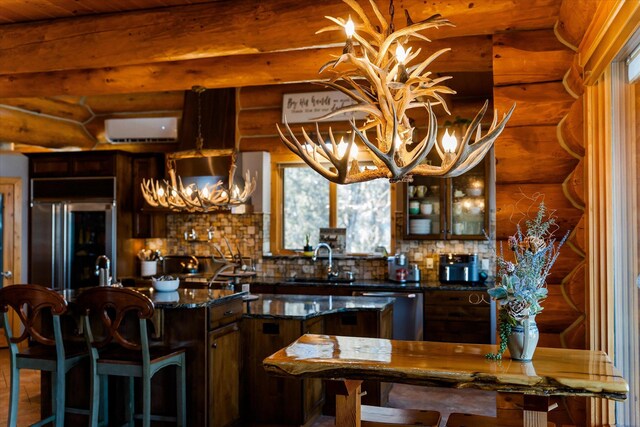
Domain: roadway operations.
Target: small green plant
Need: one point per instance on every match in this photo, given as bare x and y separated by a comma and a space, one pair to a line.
521, 282
306, 239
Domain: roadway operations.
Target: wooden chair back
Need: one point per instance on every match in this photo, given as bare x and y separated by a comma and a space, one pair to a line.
28, 301
111, 305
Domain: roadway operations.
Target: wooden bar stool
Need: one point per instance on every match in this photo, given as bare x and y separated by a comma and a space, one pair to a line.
52, 355
112, 353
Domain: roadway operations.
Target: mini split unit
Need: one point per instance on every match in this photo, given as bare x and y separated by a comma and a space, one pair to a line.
147, 129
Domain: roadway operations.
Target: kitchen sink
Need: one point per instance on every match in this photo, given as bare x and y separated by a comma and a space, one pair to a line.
319, 280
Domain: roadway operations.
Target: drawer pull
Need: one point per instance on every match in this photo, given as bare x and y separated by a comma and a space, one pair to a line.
214, 345
228, 313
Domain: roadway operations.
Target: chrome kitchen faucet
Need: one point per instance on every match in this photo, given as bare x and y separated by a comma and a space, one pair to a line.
330, 273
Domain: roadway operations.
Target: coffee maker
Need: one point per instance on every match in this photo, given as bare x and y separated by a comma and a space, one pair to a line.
459, 269
401, 271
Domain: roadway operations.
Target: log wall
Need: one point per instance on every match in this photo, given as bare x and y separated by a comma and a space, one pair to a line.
530, 161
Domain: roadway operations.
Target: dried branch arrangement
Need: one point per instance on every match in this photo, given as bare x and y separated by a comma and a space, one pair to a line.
374, 71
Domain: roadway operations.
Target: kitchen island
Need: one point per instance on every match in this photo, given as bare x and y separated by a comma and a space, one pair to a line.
199, 320
274, 321
426, 310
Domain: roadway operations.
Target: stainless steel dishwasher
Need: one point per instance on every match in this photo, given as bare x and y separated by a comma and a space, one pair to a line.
407, 312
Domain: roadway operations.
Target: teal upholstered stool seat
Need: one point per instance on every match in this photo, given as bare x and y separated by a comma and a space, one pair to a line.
49, 354
114, 354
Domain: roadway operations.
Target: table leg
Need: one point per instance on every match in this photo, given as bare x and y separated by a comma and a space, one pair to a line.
535, 411
348, 403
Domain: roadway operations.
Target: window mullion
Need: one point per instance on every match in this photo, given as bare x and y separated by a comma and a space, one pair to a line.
333, 205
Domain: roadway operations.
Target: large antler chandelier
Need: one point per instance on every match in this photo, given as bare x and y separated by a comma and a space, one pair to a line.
374, 72
212, 197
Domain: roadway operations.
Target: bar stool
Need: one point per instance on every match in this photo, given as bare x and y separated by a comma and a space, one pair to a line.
114, 354
53, 355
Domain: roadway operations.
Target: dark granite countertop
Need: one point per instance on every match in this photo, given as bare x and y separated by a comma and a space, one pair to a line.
181, 298
373, 285
304, 307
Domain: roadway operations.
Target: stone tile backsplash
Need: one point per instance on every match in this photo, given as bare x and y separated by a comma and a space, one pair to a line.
250, 233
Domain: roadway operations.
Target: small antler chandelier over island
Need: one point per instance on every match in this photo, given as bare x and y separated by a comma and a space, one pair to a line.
210, 197
374, 72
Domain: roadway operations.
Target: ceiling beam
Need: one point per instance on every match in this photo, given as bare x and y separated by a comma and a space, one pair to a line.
26, 127
470, 54
231, 28
51, 107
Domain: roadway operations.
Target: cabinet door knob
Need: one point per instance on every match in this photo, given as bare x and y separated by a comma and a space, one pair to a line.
214, 345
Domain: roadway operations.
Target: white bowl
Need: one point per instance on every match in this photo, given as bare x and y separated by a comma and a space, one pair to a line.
165, 285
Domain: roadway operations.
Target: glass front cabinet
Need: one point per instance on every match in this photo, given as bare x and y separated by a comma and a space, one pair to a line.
450, 208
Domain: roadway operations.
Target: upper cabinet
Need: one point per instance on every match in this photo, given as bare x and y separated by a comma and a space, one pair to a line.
451, 208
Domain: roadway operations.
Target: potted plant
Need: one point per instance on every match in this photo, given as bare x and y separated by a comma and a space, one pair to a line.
307, 249
521, 283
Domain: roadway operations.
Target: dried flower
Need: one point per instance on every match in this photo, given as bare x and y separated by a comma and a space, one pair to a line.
522, 286
534, 251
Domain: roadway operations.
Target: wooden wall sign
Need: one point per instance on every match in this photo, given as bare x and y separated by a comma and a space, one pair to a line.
309, 107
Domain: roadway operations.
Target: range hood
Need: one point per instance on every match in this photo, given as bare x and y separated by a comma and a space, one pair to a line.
218, 122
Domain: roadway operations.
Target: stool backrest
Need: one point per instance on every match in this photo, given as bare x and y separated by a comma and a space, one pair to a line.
111, 305
28, 301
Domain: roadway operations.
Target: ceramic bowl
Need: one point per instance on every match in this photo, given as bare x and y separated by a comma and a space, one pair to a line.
172, 296
165, 285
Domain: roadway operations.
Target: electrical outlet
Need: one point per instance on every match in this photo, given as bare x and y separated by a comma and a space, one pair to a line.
485, 264
429, 263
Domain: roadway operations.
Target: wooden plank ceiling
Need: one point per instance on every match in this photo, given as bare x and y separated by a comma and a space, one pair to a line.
66, 50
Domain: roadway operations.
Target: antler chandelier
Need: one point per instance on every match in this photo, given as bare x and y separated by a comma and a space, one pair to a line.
384, 86
174, 195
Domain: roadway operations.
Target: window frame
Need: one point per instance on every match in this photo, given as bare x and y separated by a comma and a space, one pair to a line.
278, 164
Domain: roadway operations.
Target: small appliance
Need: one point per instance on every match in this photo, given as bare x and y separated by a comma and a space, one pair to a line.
401, 271
459, 268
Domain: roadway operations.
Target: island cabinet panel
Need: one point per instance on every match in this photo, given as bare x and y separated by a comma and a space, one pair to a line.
270, 399
366, 324
224, 378
459, 316
224, 363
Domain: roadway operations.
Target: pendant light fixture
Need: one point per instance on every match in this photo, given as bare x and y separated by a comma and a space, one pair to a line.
375, 70
210, 197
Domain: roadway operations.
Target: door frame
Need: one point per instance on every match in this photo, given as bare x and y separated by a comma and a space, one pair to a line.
12, 234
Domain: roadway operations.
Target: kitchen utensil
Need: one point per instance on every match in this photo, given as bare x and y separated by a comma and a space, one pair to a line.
426, 208
414, 207
421, 190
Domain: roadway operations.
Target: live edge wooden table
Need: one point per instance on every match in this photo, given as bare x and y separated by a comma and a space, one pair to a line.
553, 372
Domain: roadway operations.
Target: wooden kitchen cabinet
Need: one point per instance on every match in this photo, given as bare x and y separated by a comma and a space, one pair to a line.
147, 222
459, 316
224, 364
276, 400
224, 381
452, 208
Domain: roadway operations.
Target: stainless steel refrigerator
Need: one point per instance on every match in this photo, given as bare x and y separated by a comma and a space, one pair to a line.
66, 238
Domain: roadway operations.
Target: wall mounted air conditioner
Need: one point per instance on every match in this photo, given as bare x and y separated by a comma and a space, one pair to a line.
146, 129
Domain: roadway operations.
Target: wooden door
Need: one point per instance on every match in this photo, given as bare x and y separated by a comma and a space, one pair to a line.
11, 191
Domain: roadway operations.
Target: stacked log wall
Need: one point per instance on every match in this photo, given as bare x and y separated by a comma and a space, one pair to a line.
531, 160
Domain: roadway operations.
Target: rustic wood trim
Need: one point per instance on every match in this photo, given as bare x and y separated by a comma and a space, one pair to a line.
613, 25
627, 317
599, 230
333, 205
13, 241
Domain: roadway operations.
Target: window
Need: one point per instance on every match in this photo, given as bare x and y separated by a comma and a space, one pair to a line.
311, 202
